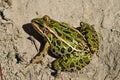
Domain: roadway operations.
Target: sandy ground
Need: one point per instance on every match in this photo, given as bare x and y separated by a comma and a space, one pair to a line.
16, 46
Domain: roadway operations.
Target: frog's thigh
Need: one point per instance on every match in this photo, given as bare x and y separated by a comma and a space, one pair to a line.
41, 54
71, 63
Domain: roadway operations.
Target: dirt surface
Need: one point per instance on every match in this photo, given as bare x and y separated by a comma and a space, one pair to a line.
16, 46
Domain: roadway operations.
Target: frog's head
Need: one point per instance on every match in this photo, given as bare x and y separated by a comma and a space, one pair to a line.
40, 24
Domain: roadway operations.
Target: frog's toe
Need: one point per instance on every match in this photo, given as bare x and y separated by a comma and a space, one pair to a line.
27, 64
56, 73
49, 65
81, 24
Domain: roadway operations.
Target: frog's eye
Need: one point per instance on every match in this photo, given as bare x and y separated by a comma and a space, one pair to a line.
46, 18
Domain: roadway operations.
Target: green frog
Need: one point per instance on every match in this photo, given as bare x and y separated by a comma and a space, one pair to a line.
72, 47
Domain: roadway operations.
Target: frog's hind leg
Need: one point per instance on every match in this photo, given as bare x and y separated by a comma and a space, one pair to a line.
71, 64
40, 55
90, 35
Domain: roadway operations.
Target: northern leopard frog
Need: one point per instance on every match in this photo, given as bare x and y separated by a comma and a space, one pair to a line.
73, 47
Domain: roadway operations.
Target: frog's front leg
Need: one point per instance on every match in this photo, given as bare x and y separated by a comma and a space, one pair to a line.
40, 55
90, 35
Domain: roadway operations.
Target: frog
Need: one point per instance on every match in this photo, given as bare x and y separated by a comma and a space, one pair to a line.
72, 47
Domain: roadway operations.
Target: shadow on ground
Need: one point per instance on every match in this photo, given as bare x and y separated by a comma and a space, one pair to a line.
28, 28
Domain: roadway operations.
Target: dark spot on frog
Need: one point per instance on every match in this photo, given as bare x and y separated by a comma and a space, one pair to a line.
93, 36
53, 50
86, 37
58, 42
62, 50
67, 55
54, 43
78, 68
69, 49
66, 60
58, 48
84, 32
86, 53
58, 32
77, 63
80, 61
72, 65
68, 38
72, 69
82, 66
93, 40
66, 31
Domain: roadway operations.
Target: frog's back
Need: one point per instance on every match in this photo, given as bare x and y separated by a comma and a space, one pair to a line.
66, 39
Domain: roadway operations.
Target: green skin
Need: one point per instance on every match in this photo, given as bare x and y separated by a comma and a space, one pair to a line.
73, 47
